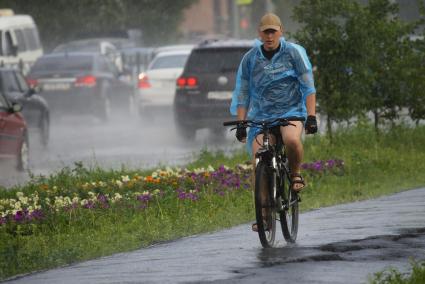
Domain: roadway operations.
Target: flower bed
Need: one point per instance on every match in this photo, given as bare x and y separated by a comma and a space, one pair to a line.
135, 192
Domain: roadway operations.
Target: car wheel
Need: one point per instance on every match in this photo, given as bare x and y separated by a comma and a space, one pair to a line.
44, 130
23, 156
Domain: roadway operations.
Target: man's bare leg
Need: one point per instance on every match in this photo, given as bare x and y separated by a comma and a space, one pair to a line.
291, 136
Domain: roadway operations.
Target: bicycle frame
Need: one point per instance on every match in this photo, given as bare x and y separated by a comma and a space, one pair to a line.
271, 164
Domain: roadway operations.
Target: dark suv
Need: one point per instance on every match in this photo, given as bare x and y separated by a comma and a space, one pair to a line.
204, 90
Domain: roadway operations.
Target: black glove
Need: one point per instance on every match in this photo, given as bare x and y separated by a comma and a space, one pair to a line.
240, 132
311, 124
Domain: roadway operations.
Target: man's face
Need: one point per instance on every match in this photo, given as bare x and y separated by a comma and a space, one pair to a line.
270, 38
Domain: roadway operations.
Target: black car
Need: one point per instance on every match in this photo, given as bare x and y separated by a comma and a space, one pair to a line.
204, 90
35, 109
80, 83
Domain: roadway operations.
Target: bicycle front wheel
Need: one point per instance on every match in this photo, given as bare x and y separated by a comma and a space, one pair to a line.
289, 214
265, 209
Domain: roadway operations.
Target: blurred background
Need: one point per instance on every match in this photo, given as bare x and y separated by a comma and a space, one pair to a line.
145, 82
151, 22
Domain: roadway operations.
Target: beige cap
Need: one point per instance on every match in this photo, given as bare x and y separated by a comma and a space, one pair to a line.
270, 21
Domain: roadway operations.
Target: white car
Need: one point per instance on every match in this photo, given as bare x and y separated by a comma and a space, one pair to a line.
157, 84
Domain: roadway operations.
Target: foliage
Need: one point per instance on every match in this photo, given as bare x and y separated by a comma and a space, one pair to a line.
393, 276
381, 71
364, 59
60, 20
325, 35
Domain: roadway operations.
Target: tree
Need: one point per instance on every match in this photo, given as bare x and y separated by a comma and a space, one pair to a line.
63, 20
381, 72
324, 35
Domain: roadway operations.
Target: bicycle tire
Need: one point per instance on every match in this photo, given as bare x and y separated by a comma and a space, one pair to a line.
289, 215
265, 210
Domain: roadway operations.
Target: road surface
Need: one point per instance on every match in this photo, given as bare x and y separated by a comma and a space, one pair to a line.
340, 244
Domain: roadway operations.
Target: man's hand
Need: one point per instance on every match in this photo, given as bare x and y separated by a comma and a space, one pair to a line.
311, 124
241, 133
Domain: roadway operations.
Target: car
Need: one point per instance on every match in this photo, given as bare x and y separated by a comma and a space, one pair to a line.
13, 134
80, 83
172, 47
20, 43
35, 109
157, 84
204, 89
101, 45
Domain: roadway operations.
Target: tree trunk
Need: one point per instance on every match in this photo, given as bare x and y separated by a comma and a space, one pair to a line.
329, 128
376, 118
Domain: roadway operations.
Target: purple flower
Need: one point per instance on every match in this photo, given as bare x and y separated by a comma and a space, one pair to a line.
89, 205
331, 163
37, 214
102, 198
144, 197
182, 195
19, 216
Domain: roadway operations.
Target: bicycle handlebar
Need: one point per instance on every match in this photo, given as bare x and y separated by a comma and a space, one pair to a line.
249, 122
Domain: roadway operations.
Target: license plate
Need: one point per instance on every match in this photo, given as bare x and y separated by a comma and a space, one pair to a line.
220, 95
56, 86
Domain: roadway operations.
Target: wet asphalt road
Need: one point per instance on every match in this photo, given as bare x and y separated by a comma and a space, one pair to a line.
340, 244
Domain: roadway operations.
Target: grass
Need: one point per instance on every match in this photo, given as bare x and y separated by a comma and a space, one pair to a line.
393, 276
93, 212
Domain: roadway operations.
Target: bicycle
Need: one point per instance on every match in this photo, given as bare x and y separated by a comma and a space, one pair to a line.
273, 194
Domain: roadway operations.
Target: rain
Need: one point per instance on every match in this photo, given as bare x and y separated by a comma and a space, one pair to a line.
122, 84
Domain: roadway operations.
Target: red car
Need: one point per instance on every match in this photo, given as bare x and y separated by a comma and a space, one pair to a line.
13, 134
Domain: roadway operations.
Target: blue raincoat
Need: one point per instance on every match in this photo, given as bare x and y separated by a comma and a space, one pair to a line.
275, 88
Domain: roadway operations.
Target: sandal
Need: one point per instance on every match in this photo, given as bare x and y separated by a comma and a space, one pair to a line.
297, 178
254, 227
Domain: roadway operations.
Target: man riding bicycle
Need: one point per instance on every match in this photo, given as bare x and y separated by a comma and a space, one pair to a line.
275, 80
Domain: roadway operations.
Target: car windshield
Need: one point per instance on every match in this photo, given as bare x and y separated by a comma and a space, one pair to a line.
64, 63
169, 61
215, 60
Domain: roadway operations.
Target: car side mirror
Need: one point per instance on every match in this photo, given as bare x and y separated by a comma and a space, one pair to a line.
16, 107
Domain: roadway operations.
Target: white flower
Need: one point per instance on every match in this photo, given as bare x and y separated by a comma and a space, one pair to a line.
18, 206
210, 168
67, 200
119, 183
125, 178
245, 166
199, 170
19, 194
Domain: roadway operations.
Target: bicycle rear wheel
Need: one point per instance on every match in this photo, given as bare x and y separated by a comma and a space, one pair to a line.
289, 214
265, 209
